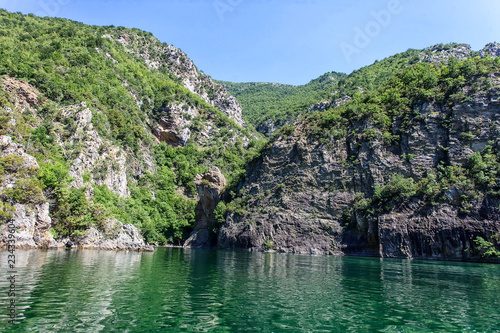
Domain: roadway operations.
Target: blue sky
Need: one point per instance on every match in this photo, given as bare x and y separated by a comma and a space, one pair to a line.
286, 41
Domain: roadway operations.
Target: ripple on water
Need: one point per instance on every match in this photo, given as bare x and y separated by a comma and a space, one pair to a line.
210, 291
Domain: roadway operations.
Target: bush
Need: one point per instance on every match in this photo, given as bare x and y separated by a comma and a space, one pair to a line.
269, 243
25, 191
220, 212
396, 189
485, 248
281, 188
6, 211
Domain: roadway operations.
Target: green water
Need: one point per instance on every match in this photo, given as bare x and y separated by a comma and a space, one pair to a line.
178, 290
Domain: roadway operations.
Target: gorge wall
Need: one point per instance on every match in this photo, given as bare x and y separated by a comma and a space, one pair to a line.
406, 190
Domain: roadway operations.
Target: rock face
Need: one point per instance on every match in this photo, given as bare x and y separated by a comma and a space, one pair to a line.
178, 124
302, 195
325, 105
162, 56
174, 124
32, 219
115, 236
26, 95
33, 232
442, 53
94, 153
439, 235
210, 186
268, 127
32, 227
491, 49
8, 147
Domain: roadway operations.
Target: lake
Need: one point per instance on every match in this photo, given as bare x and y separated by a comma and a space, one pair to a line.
184, 290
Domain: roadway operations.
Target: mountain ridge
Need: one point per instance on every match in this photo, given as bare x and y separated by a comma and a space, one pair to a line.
391, 172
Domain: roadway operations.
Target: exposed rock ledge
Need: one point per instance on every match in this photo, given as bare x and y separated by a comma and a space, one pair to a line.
33, 223
33, 232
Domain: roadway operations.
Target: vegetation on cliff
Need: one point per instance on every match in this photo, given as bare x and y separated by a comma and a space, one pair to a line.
108, 122
280, 103
420, 141
65, 63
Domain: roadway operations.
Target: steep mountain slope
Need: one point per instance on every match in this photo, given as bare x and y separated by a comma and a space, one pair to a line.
408, 169
118, 123
270, 106
108, 136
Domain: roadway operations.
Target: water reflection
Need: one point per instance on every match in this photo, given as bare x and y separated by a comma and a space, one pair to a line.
218, 291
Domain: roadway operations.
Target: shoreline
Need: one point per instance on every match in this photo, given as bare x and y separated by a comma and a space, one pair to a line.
151, 249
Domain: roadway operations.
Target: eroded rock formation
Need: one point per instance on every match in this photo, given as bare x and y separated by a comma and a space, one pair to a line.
210, 186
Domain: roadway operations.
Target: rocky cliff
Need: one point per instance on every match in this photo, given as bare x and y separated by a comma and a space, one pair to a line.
114, 136
31, 216
407, 189
103, 129
166, 57
210, 186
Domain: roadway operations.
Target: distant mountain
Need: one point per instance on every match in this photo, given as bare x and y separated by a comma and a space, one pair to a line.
269, 106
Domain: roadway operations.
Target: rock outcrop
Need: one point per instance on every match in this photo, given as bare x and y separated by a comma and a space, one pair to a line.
32, 224
32, 220
163, 56
491, 49
442, 233
268, 127
443, 53
33, 231
210, 186
114, 236
174, 124
303, 195
24, 95
93, 153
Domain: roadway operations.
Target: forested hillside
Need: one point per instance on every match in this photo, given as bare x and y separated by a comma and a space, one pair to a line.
119, 124
108, 135
268, 106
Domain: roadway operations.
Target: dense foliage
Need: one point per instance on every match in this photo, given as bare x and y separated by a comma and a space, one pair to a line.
280, 103
69, 63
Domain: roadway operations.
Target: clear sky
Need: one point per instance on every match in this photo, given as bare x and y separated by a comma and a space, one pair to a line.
286, 41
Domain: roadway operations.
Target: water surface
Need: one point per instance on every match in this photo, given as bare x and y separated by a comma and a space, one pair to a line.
182, 290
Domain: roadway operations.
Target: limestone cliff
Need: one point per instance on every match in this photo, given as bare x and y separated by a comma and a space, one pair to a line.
442, 53
118, 124
32, 221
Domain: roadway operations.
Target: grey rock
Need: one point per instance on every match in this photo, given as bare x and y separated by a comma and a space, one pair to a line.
491, 49
157, 55
442, 53
302, 191
32, 226
116, 236
210, 186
